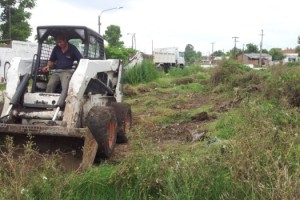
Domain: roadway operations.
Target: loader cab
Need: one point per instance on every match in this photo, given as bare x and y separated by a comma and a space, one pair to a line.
88, 42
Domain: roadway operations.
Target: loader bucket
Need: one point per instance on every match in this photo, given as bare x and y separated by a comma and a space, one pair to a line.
76, 147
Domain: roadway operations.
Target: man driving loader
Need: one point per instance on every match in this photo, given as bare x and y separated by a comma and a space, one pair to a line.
63, 56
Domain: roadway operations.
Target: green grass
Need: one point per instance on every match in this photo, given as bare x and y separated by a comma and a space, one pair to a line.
93, 184
186, 71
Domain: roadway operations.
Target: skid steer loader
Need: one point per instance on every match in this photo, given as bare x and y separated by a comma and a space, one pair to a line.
84, 122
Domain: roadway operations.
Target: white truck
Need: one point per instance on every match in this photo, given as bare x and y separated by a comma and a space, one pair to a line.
168, 57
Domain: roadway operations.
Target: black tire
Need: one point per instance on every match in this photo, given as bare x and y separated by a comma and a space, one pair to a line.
166, 68
102, 123
124, 118
1, 107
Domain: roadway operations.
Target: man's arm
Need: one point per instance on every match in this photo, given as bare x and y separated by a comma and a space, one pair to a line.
47, 67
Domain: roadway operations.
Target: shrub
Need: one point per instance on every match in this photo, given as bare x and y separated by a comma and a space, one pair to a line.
224, 73
284, 84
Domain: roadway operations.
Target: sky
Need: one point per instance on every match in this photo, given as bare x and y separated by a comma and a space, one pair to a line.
207, 25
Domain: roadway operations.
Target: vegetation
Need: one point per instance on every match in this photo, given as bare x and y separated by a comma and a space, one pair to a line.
251, 48
112, 36
190, 55
250, 150
15, 18
276, 54
143, 73
115, 48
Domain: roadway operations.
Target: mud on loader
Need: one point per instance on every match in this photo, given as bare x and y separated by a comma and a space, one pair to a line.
84, 122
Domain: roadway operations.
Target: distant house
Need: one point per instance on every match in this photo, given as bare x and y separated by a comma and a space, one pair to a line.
290, 55
253, 58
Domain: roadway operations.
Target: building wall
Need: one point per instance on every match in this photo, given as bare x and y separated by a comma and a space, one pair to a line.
16, 49
246, 60
291, 57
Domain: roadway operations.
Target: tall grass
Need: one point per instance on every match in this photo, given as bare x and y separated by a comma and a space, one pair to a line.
143, 73
265, 157
25, 174
94, 184
178, 173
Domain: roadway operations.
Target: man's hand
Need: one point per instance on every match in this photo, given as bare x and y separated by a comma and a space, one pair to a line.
46, 69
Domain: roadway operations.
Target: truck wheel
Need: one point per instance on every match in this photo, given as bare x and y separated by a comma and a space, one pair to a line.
102, 123
124, 118
166, 69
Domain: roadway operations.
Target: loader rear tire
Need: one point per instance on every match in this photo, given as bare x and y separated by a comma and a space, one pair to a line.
124, 118
102, 123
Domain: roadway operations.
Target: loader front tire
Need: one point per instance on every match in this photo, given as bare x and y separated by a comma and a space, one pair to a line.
124, 118
102, 123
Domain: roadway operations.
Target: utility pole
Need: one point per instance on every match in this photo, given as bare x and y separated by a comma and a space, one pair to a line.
235, 41
261, 43
212, 52
243, 52
9, 22
133, 40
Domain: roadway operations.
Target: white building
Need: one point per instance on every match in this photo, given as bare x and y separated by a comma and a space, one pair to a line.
290, 56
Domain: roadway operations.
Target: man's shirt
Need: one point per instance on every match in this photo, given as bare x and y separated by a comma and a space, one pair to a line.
65, 60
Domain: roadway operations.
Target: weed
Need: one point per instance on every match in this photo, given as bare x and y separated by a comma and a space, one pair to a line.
21, 177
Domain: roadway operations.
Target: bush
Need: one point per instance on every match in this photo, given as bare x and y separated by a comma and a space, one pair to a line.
226, 71
284, 85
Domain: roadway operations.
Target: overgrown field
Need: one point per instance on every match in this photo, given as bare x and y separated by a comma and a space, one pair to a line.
227, 132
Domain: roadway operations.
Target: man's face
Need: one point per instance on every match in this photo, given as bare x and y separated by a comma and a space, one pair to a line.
61, 43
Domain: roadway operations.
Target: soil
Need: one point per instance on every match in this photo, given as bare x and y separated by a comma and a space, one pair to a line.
176, 133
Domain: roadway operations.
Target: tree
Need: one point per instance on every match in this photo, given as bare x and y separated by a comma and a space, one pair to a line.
112, 36
234, 53
276, 54
218, 53
190, 55
119, 53
298, 47
251, 48
115, 48
14, 19
298, 50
